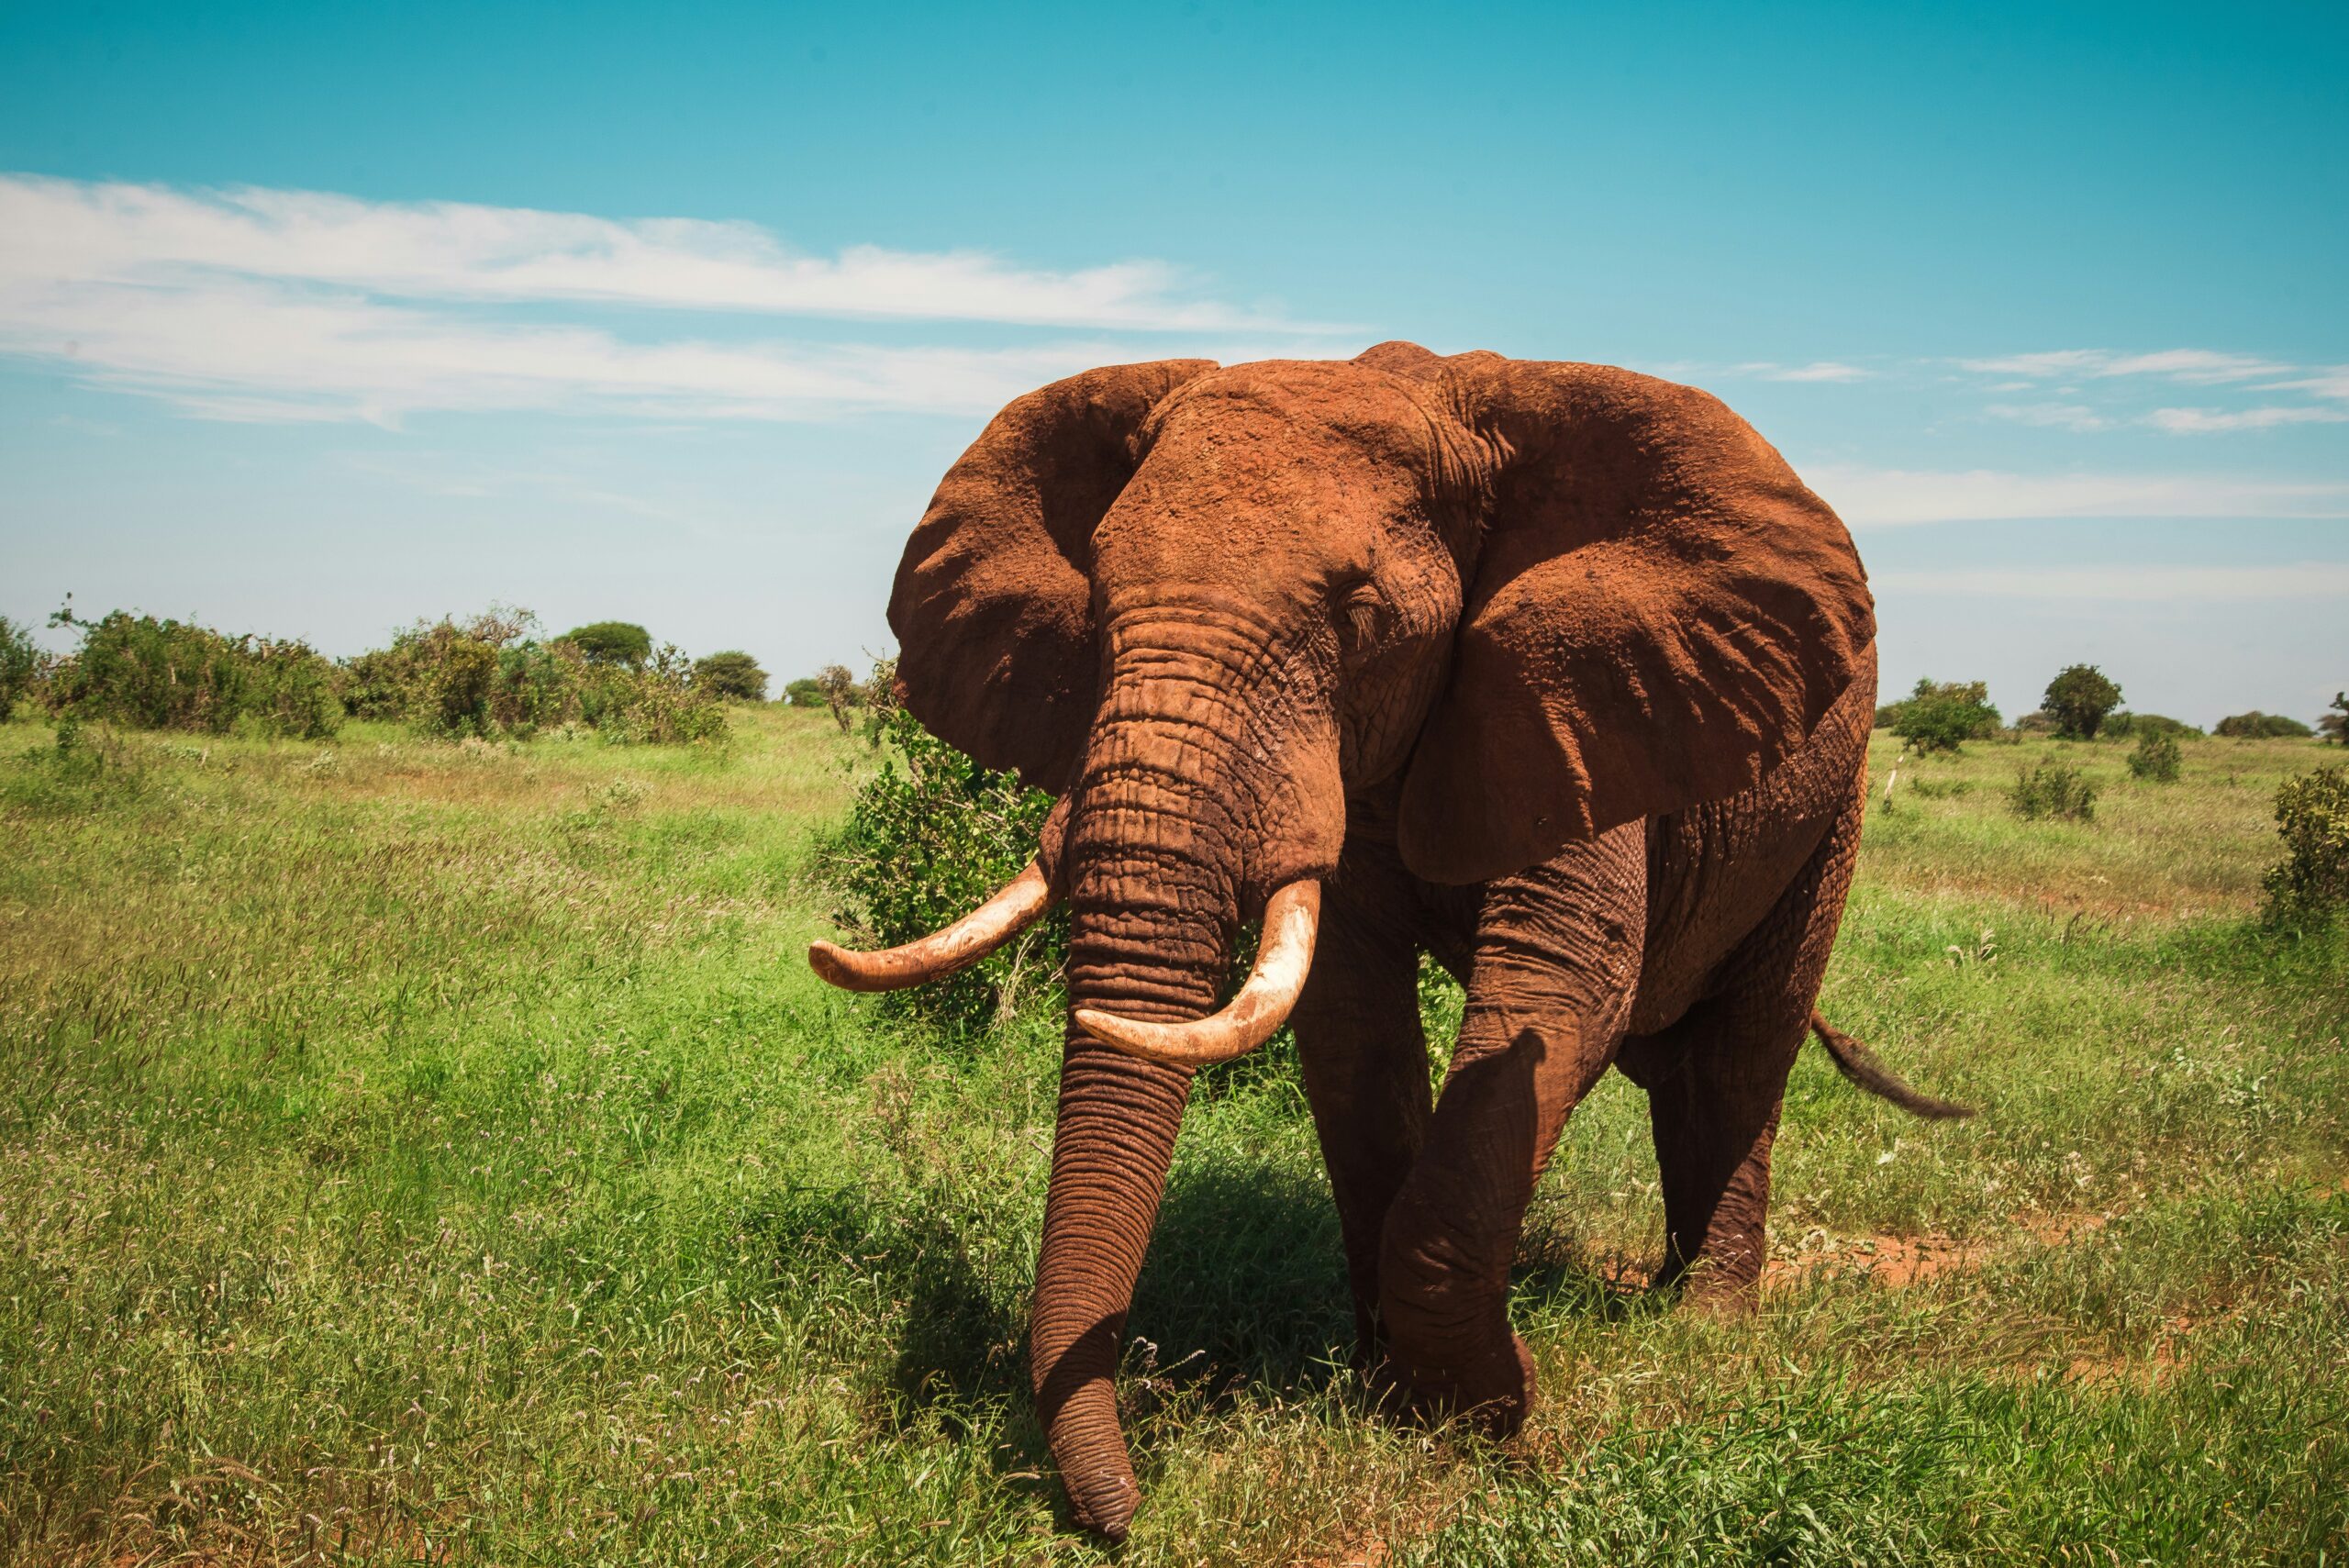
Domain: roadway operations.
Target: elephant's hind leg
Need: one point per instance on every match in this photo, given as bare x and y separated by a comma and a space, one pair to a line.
1717, 1079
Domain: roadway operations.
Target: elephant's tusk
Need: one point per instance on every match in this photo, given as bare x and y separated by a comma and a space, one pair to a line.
1248, 1019
1013, 909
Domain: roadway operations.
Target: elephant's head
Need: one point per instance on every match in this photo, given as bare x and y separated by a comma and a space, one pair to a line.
1208, 605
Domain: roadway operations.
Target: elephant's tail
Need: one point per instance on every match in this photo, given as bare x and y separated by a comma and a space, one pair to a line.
1858, 1064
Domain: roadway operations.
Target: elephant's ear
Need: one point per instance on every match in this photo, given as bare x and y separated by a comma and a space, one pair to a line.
1660, 613
993, 605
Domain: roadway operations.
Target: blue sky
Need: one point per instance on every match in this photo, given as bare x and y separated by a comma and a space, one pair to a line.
314, 319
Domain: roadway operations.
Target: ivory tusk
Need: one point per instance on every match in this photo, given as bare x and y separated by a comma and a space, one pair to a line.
1013, 909
1248, 1019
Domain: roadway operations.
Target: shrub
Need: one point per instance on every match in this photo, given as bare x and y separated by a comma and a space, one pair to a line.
2311, 884
19, 662
930, 836
145, 673
841, 692
612, 642
2038, 721
2123, 725
485, 675
805, 691
2053, 790
2156, 758
657, 705
490, 676
731, 676
2258, 726
2077, 699
1939, 715
2335, 725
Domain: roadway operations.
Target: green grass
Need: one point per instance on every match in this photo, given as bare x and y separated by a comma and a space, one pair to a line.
441, 1153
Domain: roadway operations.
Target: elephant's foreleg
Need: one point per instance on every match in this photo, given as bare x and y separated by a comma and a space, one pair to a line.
1366, 1062
1556, 964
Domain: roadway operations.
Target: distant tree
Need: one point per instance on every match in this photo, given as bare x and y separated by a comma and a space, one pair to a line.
2258, 726
1939, 715
2335, 725
840, 691
19, 660
2077, 699
612, 642
733, 675
805, 691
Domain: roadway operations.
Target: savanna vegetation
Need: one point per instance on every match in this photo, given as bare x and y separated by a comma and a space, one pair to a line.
423, 1145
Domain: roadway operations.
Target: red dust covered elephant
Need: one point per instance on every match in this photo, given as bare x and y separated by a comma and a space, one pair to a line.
1555, 671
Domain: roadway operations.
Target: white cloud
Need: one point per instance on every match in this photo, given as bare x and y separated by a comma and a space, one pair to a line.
1887, 498
2200, 367
253, 352
127, 234
291, 306
2302, 580
2052, 416
1817, 370
2330, 380
2204, 421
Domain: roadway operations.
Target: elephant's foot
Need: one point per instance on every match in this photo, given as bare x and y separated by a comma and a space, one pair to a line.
1492, 1391
1716, 1288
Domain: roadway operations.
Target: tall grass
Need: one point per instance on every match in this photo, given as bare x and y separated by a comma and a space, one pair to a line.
424, 1151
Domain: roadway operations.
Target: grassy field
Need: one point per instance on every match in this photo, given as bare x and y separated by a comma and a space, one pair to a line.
415, 1152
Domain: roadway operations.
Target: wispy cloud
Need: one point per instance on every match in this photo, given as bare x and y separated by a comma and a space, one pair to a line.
2201, 367
2330, 380
2207, 421
1891, 497
1817, 370
150, 235
260, 304
2095, 385
2301, 580
2050, 416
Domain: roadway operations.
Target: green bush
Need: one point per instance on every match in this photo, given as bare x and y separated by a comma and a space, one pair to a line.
657, 705
617, 642
19, 662
145, 673
2335, 725
2258, 726
805, 691
2077, 699
1941, 714
2156, 758
2053, 790
931, 835
485, 675
2122, 726
730, 675
491, 676
2311, 884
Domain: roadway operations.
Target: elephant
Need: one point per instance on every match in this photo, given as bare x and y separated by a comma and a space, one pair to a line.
1552, 672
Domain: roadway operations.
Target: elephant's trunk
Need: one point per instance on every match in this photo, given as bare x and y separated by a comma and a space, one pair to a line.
1151, 954
1170, 821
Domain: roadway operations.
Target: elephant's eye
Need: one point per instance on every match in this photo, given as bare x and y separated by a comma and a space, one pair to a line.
1365, 609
